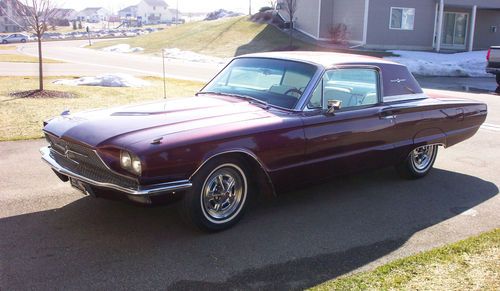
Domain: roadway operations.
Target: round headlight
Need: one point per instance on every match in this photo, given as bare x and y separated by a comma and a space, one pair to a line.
125, 160
136, 165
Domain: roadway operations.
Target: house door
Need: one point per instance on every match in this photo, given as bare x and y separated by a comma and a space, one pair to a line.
455, 30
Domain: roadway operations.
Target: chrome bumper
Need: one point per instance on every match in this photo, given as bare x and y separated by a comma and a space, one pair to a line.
155, 189
493, 71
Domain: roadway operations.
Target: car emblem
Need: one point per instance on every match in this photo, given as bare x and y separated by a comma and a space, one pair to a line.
398, 80
70, 155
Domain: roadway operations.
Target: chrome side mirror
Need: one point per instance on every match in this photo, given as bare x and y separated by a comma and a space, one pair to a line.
333, 105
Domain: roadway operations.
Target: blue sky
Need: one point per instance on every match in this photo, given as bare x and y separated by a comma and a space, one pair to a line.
184, 5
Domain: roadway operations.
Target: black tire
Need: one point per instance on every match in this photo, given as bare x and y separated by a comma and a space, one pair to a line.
498, 79
4, 41
410, 168
197, 209
23, 40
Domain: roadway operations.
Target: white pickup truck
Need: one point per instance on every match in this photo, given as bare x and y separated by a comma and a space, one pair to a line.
493, 58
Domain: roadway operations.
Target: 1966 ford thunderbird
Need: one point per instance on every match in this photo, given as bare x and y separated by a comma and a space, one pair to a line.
267, 122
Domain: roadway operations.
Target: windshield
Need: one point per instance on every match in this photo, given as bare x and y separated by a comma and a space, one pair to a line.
276, 82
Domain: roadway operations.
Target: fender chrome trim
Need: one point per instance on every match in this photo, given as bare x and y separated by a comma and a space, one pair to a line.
155, 189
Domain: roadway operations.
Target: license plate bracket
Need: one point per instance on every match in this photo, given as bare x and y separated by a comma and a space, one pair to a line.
80, 186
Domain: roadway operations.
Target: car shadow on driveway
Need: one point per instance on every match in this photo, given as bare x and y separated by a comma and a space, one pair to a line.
294, 241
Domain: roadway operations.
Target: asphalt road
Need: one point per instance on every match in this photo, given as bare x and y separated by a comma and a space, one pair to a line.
52, 237
82, 61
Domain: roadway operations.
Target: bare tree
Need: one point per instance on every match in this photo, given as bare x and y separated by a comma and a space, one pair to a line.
272, 4
290, 6
35, 16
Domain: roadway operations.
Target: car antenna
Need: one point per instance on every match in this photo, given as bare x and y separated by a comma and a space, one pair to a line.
164, 75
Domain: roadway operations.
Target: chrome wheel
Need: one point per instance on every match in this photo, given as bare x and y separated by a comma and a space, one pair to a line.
223, 193
423, 157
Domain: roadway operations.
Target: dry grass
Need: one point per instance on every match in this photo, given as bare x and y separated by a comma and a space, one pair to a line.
8, 47
18, 58
471, 264
222, 38
22, 118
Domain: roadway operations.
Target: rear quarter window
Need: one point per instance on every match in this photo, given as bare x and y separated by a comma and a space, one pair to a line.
397, 80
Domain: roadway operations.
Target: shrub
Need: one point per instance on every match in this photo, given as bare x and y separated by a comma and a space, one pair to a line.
339, 33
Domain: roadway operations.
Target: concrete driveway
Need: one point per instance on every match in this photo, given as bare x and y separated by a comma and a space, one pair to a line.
52, 237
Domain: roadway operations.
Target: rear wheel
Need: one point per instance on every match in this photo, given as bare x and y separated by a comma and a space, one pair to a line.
4, 41
219, 195
498, 79
419, 162
23, 40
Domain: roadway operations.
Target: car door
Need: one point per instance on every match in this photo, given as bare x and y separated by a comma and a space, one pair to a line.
354, 137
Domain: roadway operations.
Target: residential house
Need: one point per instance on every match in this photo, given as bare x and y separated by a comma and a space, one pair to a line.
65, 14
63, 17
128, 12
9, 20
155, 11
457, 25
93, 14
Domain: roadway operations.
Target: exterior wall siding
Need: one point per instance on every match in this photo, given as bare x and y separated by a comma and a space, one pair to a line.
306, 17
381, 36
492, 4
348, 12
484, 37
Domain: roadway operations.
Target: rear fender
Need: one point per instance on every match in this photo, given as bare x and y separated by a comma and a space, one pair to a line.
430, 136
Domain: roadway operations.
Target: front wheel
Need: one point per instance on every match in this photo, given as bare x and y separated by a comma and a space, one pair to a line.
498, 79
419, 162
23, 40
4, 41
218, 197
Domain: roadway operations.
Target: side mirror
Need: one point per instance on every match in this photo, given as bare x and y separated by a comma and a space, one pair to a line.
333, 105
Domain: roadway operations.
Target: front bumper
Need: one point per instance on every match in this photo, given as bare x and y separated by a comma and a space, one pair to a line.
493, 71
156, 189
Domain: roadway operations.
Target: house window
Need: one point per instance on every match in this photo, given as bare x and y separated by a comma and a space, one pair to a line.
402, 18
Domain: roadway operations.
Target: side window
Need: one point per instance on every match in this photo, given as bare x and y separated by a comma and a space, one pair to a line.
352, 87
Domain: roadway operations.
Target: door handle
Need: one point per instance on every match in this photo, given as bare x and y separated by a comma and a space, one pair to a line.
387, 114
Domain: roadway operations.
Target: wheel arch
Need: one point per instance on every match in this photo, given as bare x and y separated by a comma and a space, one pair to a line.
430, 136
262, 178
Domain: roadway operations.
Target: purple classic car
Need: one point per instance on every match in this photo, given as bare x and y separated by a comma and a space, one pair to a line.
267, 123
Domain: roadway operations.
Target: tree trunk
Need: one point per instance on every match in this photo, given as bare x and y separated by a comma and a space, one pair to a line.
290, 36
40, 68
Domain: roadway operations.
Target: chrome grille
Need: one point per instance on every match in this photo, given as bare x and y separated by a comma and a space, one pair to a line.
85, 162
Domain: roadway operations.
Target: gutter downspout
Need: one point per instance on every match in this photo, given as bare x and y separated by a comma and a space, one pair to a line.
472, 28
365, 27
440, 26
365, 24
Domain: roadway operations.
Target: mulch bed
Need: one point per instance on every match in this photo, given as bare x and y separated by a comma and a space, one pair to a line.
42, 94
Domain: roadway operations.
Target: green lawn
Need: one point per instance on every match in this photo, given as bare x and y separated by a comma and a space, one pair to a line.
222, 38
471, 264
22, 118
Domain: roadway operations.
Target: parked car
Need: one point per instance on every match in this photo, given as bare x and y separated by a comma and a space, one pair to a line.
267, 122
493, 58
15, 37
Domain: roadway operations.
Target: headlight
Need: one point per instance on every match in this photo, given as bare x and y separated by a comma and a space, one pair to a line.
130, 162
125, 160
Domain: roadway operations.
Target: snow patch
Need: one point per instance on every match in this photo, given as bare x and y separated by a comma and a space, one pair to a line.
106, 80
122, 48
175, 53
467, 64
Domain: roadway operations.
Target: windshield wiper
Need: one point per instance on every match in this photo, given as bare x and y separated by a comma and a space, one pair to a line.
247, 98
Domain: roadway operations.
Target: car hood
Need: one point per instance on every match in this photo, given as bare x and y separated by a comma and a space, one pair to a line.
135, 123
